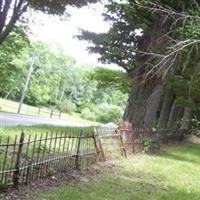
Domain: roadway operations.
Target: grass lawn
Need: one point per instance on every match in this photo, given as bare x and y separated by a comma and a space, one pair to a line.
12, 107
173, 174
39, 129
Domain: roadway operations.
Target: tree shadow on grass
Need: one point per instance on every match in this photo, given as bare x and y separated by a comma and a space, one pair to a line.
138, 186
186, 153
140, 178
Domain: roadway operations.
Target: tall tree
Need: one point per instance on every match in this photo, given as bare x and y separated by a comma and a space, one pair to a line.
170, 36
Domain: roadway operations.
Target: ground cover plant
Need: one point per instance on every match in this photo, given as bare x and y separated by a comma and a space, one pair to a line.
172, 174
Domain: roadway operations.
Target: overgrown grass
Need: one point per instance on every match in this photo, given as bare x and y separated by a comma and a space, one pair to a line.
174, 174
40, 131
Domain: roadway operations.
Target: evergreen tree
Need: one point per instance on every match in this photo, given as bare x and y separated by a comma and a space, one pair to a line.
166, 50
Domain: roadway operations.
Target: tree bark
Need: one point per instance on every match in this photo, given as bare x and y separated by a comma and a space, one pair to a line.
187, 118
152, 102
143, 104
152, 107
175, 115
166, 103
6, 23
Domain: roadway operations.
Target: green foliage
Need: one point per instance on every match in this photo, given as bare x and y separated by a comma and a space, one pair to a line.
120, 44
79, 87
49, 74
171, 175
107, 78
89, 114
190, 27
168, 46
12, 11
186, 85
109, 113
103, 113
58, 6
146, 144
117, 46
66, 106
11, 54
196, 125
56, 81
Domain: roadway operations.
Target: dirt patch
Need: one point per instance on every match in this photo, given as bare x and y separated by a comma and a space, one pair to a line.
194, 139
27, 192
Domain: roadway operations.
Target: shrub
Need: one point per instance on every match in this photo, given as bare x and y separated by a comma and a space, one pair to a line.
108, 113
92, 107
66, 106
102, 113
196, 126
86, 113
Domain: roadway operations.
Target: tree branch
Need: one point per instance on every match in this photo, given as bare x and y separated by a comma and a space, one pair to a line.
18, 10
174, 51
4, 13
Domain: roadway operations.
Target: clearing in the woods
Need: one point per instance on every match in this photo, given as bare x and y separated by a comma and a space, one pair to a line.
172, 174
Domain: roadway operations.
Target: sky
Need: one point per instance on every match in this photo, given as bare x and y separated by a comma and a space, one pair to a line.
52, 29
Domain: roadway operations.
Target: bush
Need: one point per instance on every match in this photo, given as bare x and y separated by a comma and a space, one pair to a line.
66, 106
102, 113
196, 126
92, 107
109, 113
86, 113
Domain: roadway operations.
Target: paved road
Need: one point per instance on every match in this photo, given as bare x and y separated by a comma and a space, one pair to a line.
8, 119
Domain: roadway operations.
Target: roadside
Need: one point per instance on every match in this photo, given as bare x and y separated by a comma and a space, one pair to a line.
29, 114
171, 174
10, 119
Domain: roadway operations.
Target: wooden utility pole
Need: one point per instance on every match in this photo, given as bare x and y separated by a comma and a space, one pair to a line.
27, 82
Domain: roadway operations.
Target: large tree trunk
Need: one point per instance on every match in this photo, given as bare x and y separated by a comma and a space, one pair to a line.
152, 103
175, 115
143, 104
152, 107
166, 104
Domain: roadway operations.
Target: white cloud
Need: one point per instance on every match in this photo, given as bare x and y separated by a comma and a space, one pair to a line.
52, 29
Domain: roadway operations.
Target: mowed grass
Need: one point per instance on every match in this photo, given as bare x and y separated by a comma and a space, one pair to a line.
12, 107
173, 174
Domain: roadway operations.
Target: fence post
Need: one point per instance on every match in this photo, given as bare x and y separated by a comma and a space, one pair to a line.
78, 151
98, 146
51, 114
38, 110
17, 164
133, 139
60, 114
122, 147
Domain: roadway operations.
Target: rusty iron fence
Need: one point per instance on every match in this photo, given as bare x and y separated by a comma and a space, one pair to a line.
28, 158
